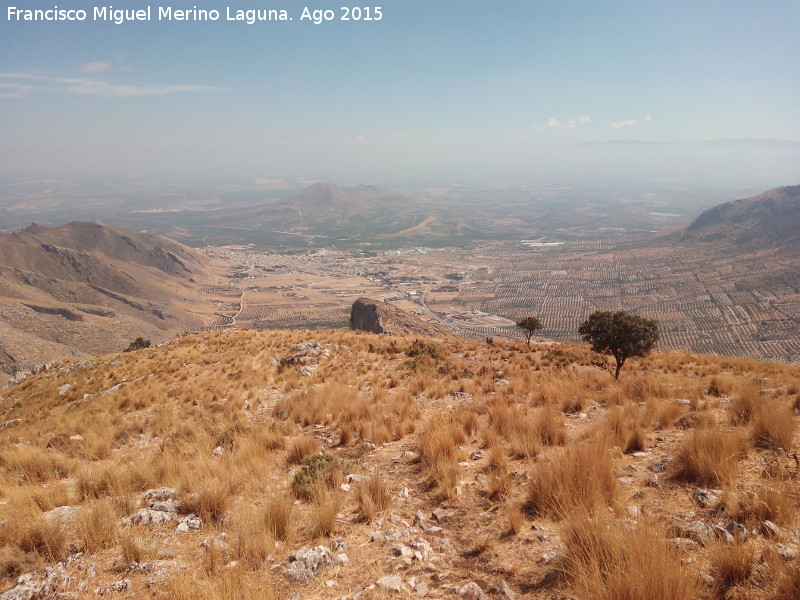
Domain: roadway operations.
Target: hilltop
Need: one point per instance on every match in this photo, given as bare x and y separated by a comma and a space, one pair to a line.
338, 464
85, 288
769, 220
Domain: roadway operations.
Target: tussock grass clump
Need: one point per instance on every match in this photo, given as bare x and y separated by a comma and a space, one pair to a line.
626, 428
373, 497
773, 426
439, 454
776, 502
745, 405
719, 386
640, 388
606, 561
527, 432
516, 518
43, 538
300, 448
731, 565
787, 584
134, 550
663, 414
567, 395
580, 477
256, 532
277, 517
210, 499
97, 524
231, 584
253, 543
709, 457
327, 504
30, 464
91, 484
47, 498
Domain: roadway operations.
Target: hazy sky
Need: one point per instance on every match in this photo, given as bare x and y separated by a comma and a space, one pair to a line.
434, 84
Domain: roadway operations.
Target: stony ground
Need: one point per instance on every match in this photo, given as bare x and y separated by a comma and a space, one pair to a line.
336, 464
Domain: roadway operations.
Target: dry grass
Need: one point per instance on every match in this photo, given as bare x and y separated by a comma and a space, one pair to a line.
709, 457
184, 400
373, 497
39, 536
731, 565
327, 503
277, 517
231, 584
97, 525
606, 561
745, 404
516, 518
210, 499
300, 448
253, 542
136, 550
580, 477
787, 583
626, 428
776, 501
34, 465
440, 456
773, 426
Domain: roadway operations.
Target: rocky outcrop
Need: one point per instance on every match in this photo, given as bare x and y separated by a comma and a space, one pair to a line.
382, 317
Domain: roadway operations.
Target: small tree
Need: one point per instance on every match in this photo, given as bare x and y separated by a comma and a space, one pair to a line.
620, 334
529, 326
137, 344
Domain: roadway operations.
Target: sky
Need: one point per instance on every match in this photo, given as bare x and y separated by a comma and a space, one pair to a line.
434, 84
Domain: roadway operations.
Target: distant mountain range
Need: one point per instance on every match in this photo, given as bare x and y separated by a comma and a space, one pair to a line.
771, 219
92, 287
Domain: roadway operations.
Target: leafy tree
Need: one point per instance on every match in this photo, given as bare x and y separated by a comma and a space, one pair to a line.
620, 334
138, 344
529, 326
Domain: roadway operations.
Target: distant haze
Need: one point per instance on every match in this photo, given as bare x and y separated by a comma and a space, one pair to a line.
435, 91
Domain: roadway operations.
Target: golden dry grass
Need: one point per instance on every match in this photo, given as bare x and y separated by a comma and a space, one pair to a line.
221, 389
606, 561
579, 477
709, 457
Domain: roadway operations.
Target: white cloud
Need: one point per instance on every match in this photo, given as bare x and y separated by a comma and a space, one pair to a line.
553, 123
92, 87
631, 122
97, 66
572, 123
14, 90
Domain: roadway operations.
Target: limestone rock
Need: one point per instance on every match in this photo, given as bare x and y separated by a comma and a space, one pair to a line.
383, 317
189, 523
390, 583
502, 590
472, 591
307, 562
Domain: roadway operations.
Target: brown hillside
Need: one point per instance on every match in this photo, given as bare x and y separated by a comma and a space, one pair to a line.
771, 219
92, 287
335, 464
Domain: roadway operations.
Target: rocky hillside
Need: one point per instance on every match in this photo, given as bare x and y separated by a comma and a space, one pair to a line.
85, 288
337, 464
771, 219
382, 317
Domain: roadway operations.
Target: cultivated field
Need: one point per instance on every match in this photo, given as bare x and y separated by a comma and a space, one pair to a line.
705, 302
